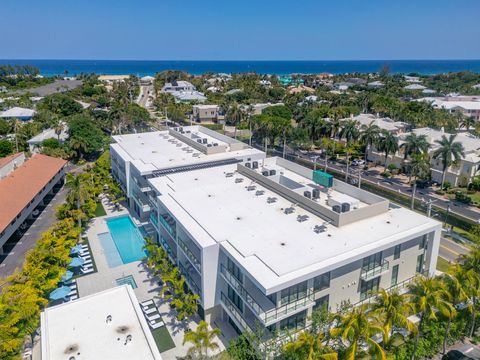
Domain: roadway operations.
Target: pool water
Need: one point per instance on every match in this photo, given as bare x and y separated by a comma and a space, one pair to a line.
127, 239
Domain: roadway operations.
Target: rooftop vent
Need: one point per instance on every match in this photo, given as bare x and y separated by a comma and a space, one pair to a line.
259, 192
215, 144
238, 180
228, 174
319, 228
271, 200
289, 210
302, 218
251, 187
316, 193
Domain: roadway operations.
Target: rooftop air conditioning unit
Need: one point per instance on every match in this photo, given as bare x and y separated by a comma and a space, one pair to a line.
316, 193
248, 165
337, 208
204, 140
307, 194
265, 173
199, 141
255, 165
345, 207
273, 172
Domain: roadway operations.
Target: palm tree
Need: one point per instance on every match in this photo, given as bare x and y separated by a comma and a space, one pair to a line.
309, 346
369, 136
419, 166
78, 194
202, 340
390, 307
466, 122
425, 297
471, 263
235, 115
350, 132
79, 145
388, 143
415, 144
450, 152
354, 329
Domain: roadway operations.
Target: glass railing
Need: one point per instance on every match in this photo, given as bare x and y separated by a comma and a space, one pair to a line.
368, 274
154, 220
230, 306
189, 279
169, 224
265, 316
193, 259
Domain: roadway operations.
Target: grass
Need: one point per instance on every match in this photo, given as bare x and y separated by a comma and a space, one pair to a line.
442, 264
99, 210
163, 339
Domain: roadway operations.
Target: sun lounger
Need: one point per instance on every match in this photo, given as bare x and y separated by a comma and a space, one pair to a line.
153, 317
73, 286
72, 293
74, 297
84, 246
85, 252
87, 257
87, 270
156, 325
150, 310
148, 302
87, 262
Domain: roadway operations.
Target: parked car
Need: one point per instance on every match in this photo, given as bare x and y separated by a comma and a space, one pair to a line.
456, 355
358, 162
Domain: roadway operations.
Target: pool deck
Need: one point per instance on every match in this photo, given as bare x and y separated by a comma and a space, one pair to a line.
147, 286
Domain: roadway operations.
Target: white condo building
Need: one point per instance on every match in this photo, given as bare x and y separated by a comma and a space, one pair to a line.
265, 241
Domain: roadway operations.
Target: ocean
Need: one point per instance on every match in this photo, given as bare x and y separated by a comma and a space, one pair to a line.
142, 68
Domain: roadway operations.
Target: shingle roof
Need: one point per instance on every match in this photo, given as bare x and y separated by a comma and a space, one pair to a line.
19, 187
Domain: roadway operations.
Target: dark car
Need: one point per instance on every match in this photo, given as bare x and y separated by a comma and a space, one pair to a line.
456, 355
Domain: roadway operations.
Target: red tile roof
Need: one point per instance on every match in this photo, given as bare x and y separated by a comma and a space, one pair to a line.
5, 160
20, 186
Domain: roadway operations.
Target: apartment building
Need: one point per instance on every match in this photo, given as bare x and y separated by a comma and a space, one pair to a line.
265, 241
384, 123
469, 106
459, 174
206, 113
139, 157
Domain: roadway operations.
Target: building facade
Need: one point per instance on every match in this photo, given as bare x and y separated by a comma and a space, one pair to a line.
264, 241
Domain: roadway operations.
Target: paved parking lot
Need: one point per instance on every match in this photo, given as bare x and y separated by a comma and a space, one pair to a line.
16, 247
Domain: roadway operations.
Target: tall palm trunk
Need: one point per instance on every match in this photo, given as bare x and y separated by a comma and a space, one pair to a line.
474, 315
251, 134
444, 173
284, 145
367, 148
385, 164
417, 337
79, 219
445, 336
346, 173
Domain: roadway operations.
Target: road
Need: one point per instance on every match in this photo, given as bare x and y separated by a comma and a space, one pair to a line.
373, 177
17, 248
450, 250
145, 91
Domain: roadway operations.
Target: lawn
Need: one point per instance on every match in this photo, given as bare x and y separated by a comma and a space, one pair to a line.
163, 339
442, 264
99, 210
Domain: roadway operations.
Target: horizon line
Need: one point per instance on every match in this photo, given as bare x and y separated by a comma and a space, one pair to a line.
230, 60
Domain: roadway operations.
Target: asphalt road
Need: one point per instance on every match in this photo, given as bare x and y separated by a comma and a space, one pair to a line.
55, 87
144, 92
16, 249
450, 250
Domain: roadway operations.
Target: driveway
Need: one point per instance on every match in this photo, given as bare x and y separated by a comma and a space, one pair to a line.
15, 248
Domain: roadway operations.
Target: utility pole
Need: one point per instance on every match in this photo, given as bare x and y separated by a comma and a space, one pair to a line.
446, 215
414, 189
359, 178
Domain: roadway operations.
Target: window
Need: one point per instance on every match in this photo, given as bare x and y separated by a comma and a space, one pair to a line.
394, 275
423, 242
321, 303
368, 288
321, 282
293, 322
293, 293
234, 270
234, 298
396, 252
420, 263
372, 261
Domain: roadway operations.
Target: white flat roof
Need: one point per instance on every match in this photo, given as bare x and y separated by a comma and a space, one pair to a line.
80, 328
274, 247
158, 150
17, 112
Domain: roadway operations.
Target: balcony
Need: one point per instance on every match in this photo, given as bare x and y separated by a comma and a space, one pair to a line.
233, 311
273, 314
379, 269
193, 259
143, 205
168, 249
193, 285
154, 221
168, 224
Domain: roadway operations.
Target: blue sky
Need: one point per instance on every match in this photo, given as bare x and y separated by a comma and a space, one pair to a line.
240, 30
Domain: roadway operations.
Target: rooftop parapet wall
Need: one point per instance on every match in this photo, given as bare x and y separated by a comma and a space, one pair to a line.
375, 204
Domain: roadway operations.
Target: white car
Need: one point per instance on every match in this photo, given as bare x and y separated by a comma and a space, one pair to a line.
358, 162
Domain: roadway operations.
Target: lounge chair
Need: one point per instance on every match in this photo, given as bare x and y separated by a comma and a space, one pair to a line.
148, 302
87, 262
156, 325
74, 297
84, 246
153, 317
73, 286
72, 293
87, 270
84, 252
150, 310
87, 257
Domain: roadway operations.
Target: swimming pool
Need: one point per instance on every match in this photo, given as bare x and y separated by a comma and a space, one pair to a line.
127, 239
